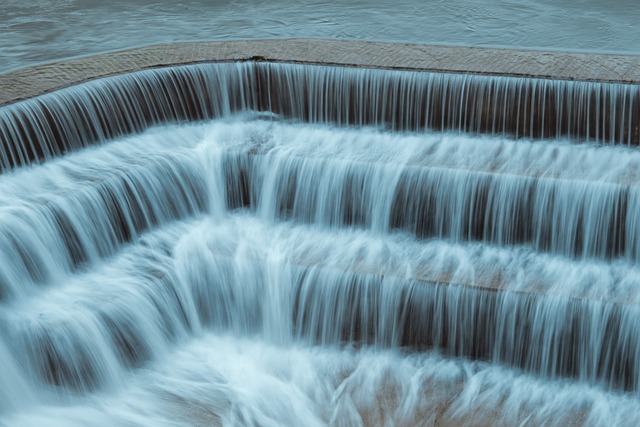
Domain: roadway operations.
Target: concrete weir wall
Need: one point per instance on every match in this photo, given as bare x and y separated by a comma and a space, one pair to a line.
37, 80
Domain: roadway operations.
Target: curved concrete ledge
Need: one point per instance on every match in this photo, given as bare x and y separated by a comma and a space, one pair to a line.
33, 81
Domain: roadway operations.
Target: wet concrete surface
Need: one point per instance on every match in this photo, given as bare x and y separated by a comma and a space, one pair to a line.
33, 81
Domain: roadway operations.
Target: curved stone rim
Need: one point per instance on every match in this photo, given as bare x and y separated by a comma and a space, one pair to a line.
38, 80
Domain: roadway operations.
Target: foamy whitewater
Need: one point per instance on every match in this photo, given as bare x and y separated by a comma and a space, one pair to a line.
256, 271
277, 244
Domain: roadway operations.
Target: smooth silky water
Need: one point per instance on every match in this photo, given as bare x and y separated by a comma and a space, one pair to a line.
291, 252
46, 30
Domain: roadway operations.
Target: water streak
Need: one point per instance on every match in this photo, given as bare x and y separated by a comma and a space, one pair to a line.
53, 124
299, 259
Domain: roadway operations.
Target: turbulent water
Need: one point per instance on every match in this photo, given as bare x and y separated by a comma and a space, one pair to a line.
33, 31
283, 245
252, 270
276, 244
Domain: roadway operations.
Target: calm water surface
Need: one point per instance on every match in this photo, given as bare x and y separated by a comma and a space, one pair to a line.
35, 31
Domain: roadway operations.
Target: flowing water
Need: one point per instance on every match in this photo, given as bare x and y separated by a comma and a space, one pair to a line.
50, 125
272, 244
33, 31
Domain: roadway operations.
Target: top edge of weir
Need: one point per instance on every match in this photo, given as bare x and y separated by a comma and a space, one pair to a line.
37, 80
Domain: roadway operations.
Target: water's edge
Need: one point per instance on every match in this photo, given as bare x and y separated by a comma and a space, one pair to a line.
37, 80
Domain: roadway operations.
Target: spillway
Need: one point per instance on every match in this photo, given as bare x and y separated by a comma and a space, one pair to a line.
266, 243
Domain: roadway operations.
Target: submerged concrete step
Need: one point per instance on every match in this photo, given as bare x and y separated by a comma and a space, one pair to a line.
584, 219
303, 284
546, 316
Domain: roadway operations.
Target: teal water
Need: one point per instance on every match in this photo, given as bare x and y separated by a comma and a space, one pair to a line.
37, 31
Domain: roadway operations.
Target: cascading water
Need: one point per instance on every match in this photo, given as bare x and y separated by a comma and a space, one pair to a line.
313, 250
50, 125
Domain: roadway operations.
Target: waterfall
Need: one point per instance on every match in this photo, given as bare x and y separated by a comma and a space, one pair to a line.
53, 124
257, 243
